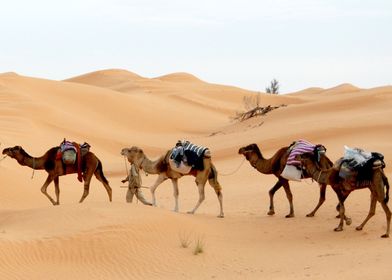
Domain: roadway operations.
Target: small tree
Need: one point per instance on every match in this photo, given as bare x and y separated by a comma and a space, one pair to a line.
273, 88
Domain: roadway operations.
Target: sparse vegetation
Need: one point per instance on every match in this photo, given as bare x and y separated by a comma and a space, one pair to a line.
253, 108
252, 104
273, 88
184, 239
199, 247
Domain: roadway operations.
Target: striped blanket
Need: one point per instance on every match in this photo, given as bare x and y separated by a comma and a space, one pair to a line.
189, 154
299, 147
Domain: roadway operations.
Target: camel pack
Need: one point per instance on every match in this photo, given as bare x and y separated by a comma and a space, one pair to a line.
68, 151
357, 165
186, 155
292, 170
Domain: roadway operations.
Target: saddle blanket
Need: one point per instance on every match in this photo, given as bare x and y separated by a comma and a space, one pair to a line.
188, 154
301, 146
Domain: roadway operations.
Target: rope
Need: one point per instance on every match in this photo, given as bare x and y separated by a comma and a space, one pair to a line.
3, 158
304, 179
126, 166
32, 175
231, 173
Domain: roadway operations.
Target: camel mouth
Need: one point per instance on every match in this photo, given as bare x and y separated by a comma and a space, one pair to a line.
6, 152
124, 152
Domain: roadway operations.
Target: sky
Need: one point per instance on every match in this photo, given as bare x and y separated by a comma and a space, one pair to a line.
244, 43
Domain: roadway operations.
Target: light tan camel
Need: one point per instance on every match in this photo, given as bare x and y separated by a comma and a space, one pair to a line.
161, 167
275, 165
55, 168
376, 183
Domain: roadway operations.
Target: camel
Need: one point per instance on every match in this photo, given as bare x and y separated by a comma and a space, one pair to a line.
375, 183
275, 165
55, 168
162, 167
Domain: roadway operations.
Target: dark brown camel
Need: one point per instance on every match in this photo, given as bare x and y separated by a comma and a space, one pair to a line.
55, 168
275, 165
162, 167
375, 183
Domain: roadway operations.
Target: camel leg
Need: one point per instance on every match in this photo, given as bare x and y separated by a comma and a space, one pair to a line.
175, 193
161, 178
87, 180
372, 211
388, 216
289, 195
323, 188
200, 187
341, 213
343, 197
57, 190
45, 186
271, 193
213, 181
100, 177
220, 198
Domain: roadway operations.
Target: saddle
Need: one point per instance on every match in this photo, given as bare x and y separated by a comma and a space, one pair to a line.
71, 153
186, 156
292, 170
357, 165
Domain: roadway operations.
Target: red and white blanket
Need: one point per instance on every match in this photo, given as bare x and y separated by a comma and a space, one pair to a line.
301, 146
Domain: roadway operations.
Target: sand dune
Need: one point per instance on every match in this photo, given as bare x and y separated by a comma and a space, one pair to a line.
112, 109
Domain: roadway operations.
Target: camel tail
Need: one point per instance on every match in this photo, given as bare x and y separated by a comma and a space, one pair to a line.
386, 183
100, 170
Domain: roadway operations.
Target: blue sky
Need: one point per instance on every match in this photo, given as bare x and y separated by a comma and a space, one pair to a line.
244, 43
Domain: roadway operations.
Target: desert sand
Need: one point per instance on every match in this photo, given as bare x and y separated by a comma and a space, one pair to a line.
112, 109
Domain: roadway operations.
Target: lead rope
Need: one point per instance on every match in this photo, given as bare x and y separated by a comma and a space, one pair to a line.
231, 173
126, 166
32, 175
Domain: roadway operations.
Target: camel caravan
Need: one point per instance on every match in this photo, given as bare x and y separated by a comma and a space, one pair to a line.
357, 169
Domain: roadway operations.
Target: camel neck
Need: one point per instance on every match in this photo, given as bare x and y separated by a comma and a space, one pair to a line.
32, 162
261, 164
149, 166
320, 176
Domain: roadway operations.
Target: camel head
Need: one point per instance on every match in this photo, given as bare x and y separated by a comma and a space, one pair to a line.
307, 160
247, 151
134, 154
16, 152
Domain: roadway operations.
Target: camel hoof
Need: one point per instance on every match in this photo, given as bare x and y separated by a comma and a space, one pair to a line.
359, 228
310, 215
221, 216
338, 229
385, 236
271, 212
57, 203
190, 212
348, 221
290, 216
175, 210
